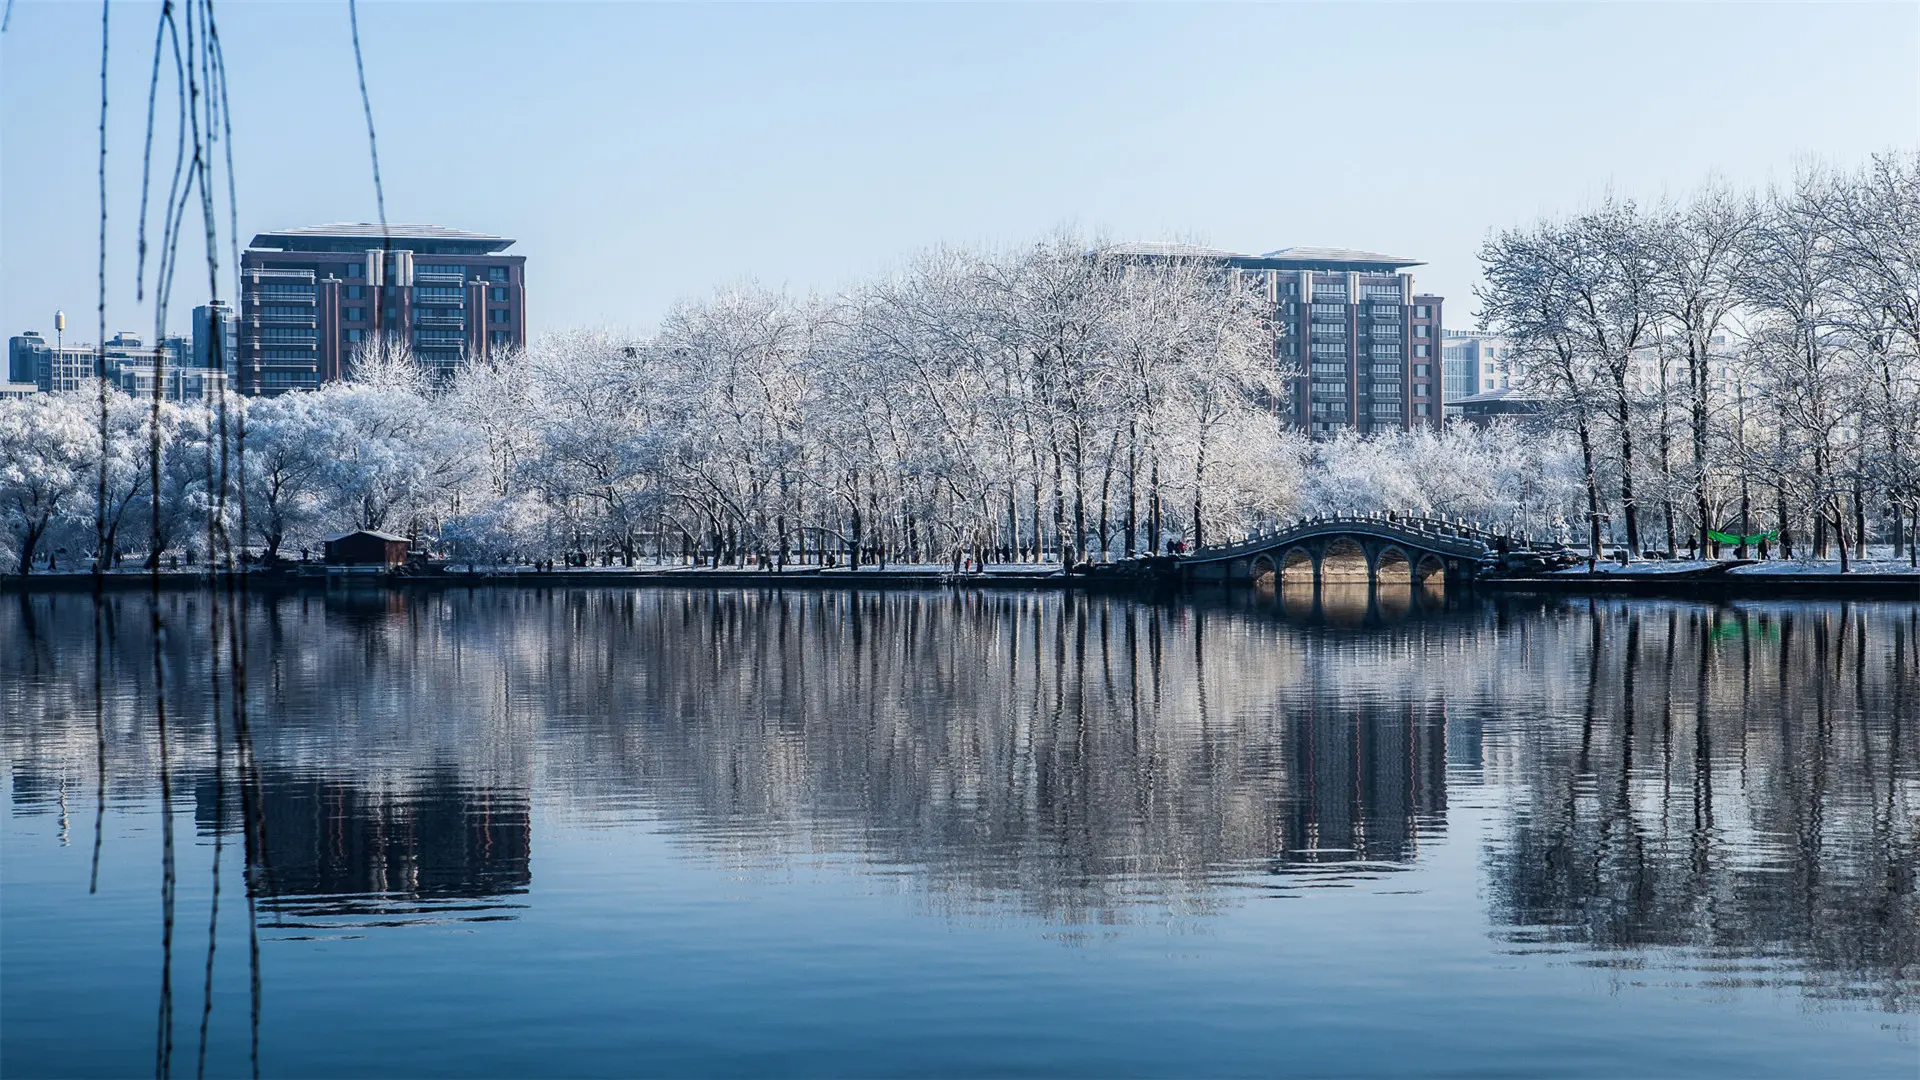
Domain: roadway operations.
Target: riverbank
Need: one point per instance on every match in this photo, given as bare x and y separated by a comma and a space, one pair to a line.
1879, 580
1008, 576
1680, 580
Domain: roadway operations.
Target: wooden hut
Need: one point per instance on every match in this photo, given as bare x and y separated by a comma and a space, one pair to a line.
364, 547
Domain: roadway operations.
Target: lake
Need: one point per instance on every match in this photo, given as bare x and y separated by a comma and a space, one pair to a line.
602, 831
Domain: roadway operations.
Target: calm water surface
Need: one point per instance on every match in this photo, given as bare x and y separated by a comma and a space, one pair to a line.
601, 832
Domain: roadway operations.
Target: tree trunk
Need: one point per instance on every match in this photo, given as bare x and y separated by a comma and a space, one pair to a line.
1199, 477
1593, 487
1153, 507
1746, 519
1133, 469
1859, 520
1697, 376
1840, 533
1629, 510
28, 543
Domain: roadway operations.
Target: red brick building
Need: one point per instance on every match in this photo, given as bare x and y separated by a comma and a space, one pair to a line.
1364, 345
310, 297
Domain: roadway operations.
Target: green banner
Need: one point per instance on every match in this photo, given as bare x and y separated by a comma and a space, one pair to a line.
1736, 538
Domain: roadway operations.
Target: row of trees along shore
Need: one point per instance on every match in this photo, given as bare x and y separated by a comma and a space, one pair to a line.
1737, 361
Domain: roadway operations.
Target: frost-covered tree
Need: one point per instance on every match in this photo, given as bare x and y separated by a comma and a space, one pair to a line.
46, 443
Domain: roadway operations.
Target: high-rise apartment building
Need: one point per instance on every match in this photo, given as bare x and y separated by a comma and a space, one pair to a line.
1365, 347
310, 297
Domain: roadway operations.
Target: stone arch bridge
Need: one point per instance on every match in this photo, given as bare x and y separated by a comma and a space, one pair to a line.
1335, 547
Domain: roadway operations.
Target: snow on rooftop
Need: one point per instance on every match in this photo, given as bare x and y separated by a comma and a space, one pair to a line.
1339, 255
1169, 249
374, 230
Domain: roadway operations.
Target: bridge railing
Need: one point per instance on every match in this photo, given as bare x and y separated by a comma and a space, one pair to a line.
1414, 526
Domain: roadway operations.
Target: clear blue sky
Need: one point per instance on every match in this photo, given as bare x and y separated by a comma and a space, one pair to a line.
642, 153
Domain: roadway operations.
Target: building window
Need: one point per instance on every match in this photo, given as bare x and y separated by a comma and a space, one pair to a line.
498, 296
1422, 311
497, 274
1421, 371
1421, 331
499, 315
358, 270
456, 271
1421, 350
355, 336
501, 337
356, 314
1420, 408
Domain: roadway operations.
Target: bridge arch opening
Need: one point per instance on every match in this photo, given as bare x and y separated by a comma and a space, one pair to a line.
1296, 567
1262, 572
1393, 567
1344, 563
1430, 571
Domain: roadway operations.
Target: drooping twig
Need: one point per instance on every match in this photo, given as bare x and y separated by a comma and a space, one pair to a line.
366, 104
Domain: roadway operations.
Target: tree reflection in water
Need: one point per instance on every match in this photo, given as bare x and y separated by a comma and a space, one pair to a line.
1740, 782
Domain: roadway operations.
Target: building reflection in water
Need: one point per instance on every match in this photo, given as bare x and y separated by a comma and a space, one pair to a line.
328, 848
1738, 781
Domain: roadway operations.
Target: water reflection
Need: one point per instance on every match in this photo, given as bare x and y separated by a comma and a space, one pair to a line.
1739, 783
335, 853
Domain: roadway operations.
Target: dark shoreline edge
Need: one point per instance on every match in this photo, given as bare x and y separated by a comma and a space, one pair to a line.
1887, 587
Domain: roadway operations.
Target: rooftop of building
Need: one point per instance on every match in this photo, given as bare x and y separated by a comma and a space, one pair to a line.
1506, 395
1292, 258
1168, 249
362, 236
1325, 258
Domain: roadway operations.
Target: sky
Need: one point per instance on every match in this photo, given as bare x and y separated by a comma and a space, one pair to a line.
643, 154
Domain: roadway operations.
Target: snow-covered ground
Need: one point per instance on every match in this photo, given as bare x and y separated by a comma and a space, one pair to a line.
1881, 563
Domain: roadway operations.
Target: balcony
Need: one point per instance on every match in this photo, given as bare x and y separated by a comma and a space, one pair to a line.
307, 321
451, 322
420, 278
